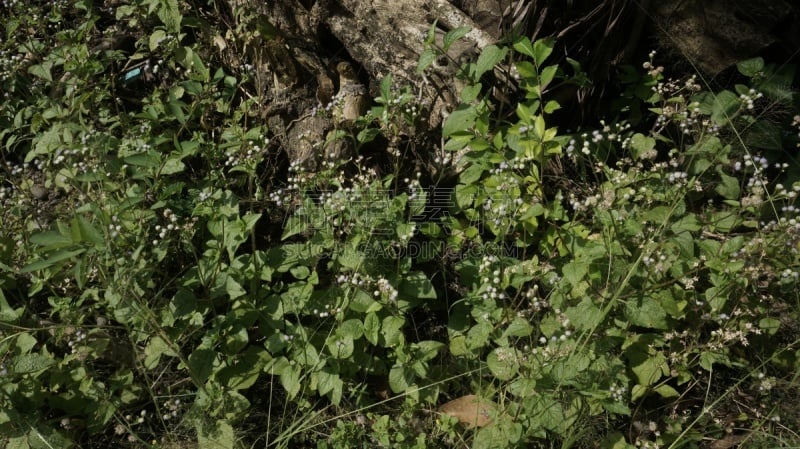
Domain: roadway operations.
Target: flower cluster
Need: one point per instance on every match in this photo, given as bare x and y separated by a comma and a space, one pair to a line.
491, 279
131, 421
381, 287
444, 159
749, 98
385, 290
755, 163
618, 392
645, 432
9, 64
765, 384
536, 303
565, 334
173, 225
328, 310
607, 134
171, 409
504, 201
247, 156
74, 340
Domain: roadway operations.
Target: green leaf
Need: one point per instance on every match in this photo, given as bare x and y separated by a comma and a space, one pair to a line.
470, 93
489, 57
172, 165
306, 355
541, 50
665, 391
765, 135
472, 174
725, 105
750, 67
417, 286
244, 372
525, 114
523, 45
637, 392
386, 87
176, 109
478, 335
431, 38
462, 119
777, 83
454, 35
551, 106
170, 15
575, 272
372, 327
708, 359
51, 239
368, 135
362, 302
300, 272
53, 259
201, 363
155, 348
392, 331
87, 232
340, 346
657, 215
330, 384
294, 225
42, 70
352, 329
215, 436
728, 188
236, 339
689, 223
503, 362
400, 378
769, 324
31, 363
586, 315
646, 312
641, 145
550, 413
648, 368
44, 437
7, 313
547, 75
232, 288
156, 38
149, 159
519, 327
425, 59
490, 437
46, 143
459, 140
615, 441
427, 349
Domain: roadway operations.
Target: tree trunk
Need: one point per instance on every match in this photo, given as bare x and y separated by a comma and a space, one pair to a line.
300, 43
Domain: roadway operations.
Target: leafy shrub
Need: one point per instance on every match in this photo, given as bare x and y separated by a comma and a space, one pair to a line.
161, 281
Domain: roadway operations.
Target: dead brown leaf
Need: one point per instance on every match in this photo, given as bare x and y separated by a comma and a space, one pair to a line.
471, 410
728, 441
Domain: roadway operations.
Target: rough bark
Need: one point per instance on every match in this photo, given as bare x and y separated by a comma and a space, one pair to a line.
715, 34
